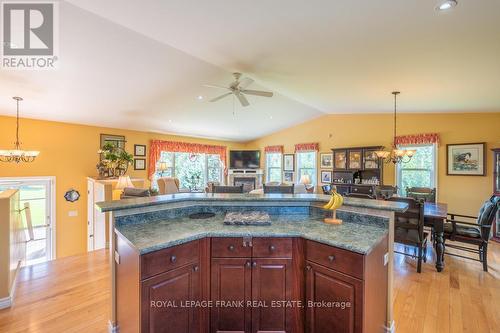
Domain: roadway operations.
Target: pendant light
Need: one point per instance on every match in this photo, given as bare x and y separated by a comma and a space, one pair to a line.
396, 155
18, 155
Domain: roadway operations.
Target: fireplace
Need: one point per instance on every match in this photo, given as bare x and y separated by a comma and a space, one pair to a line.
247, 182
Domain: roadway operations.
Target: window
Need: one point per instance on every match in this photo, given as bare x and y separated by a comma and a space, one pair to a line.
273, 167
306, 165
193, 170
420, 171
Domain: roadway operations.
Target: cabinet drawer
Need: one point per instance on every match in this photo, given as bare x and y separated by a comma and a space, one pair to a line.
164, 260
230, 247
272, 247
338, 259
362, 189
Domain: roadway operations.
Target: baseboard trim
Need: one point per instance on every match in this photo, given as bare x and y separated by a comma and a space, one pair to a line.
391, 328
6, 302
112, 328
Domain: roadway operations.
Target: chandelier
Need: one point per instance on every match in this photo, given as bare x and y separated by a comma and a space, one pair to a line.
17, 154
396, 155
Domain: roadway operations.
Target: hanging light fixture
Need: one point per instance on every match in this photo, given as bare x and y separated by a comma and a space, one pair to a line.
396, 155
17, 154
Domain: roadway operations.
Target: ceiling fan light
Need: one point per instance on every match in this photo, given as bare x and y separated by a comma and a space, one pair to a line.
446, 5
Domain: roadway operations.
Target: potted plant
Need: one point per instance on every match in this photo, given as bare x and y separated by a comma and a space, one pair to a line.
114, 161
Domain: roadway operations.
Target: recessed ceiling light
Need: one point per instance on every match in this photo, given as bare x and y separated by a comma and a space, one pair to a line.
170, 120
446, 5
200, 97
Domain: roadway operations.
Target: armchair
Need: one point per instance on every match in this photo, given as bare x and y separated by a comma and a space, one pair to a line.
474, 233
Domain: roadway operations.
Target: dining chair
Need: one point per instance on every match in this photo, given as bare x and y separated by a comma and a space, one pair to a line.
227, 189
409, 229
384, 192
283, 189
474, 233
426, 193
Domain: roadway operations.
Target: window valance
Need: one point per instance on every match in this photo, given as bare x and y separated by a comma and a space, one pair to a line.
417, 139
312, 146
274, 149
157, 146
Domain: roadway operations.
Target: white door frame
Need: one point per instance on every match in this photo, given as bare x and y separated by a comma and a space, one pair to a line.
52, 205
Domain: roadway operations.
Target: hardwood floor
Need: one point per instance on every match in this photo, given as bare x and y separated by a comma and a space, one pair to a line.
72, 295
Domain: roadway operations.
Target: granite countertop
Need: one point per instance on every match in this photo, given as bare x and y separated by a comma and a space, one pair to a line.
241, 198
151, 235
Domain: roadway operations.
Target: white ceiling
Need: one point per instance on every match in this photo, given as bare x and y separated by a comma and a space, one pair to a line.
138, 64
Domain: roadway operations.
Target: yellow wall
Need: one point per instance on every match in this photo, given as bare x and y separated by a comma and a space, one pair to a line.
464, 194
69, 152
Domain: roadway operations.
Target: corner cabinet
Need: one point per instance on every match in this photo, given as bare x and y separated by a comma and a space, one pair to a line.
251, 285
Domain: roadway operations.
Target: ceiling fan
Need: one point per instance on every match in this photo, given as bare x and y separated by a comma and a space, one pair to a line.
238, 89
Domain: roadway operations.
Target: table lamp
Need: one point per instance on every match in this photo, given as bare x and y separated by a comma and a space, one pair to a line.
123, 182
305, 179
162, 167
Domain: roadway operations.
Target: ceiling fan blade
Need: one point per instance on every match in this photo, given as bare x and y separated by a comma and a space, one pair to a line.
258, 93
220, 97
245, 82
243, 100
215, 86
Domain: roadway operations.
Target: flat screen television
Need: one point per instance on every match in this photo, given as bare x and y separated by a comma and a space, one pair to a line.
244, 159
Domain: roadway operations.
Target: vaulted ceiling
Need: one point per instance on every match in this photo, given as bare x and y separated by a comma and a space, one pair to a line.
142, 64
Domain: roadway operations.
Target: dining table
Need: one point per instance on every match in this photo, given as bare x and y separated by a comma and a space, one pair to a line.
435, 215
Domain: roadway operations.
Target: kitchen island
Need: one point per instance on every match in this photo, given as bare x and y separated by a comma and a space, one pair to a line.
172, 273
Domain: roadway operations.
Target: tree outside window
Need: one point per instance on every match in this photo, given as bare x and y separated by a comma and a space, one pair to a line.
273, 167
192, 170
306, 165
420, 171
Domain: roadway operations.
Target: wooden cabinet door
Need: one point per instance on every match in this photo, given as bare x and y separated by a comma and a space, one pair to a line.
231, 287
271, 282
163, 297
324, 286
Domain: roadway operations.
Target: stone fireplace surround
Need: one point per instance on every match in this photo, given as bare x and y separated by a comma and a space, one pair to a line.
250, 178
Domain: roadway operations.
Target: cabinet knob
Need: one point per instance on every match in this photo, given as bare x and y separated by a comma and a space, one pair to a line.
308, 267
230, 247
331, 258
248, 264
196, 268
272, 248
254, 264
173, 259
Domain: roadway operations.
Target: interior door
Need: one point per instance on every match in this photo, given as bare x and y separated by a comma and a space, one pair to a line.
36, 200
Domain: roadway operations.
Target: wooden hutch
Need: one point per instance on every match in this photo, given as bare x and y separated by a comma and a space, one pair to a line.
350, 164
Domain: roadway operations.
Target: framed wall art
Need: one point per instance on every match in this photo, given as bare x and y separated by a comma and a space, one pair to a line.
466, 159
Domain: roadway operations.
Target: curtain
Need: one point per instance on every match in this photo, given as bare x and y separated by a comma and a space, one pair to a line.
274, 149
157, 146
416, 139
312, 146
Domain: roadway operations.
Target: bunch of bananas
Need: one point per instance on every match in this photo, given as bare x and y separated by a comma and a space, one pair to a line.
335, 201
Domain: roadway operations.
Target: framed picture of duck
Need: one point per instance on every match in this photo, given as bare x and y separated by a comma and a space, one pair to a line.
466, 159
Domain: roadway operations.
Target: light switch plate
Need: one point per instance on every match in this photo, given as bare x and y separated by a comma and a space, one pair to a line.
73, 213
